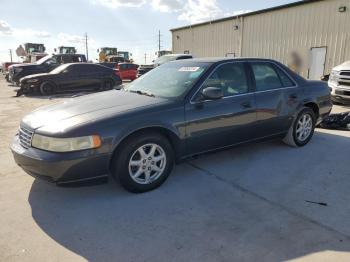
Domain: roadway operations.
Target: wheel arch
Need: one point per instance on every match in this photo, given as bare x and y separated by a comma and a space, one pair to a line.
314, 108
172, 137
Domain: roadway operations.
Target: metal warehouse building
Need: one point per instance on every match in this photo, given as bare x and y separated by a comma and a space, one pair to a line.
317, 30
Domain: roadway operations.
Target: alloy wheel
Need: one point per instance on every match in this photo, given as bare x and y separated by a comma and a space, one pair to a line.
304, 127
147, 163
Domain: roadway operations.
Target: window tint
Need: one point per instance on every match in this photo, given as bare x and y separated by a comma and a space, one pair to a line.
266, 77
123, 66
51, 61
231, 78
286, 81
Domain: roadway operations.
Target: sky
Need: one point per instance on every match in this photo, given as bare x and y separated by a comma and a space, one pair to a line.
129, 25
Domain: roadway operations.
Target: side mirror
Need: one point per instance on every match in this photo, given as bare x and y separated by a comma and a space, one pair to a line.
212, 93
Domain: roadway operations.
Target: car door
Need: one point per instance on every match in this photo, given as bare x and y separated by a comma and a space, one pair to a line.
226, 121
276, 97
69, 78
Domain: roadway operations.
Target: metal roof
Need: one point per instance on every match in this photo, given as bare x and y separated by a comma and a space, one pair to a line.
298, 3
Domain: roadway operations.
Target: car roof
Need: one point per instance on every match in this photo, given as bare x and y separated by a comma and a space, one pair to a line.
68, 55
176, 55
221, 59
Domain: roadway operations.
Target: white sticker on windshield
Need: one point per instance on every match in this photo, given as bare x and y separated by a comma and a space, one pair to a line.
188, 69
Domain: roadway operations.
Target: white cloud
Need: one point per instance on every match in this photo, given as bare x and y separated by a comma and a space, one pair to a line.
5, 28
119, 3
30, 33
200, 10
167, 5
239, 12
67, 38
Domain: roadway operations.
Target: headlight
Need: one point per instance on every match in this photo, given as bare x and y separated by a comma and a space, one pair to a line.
32, 80
65, 144
333, 77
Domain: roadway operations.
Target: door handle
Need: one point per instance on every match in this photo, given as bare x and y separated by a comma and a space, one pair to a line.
293, 96
246, 104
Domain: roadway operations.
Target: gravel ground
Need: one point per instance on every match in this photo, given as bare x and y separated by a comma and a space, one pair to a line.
249, 203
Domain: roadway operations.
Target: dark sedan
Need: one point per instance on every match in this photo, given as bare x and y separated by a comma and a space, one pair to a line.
175, 111
70, 77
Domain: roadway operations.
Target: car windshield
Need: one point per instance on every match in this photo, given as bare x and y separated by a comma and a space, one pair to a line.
43, 60
59, 69
171, 80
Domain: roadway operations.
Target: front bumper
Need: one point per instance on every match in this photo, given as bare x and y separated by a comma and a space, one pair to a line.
340, 93
60, 167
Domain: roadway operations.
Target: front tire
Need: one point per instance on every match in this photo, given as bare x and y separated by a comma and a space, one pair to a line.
302, 129
144, 162
47, 88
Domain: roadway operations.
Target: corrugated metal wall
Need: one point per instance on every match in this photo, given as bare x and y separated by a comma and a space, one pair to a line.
275, 34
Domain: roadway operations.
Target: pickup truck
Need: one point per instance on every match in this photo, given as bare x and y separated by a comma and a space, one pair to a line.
43, 65
339, 83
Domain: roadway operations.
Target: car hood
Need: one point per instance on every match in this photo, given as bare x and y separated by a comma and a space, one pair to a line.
76, 111
24, 65
343, 66
35, 76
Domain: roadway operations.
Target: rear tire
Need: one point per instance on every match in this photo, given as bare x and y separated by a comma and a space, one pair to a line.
302, 129
143, 162
107, 85
47, 88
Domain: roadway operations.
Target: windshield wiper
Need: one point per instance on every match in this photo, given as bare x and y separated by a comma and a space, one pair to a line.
142, 93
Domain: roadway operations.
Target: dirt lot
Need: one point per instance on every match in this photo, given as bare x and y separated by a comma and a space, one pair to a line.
246, 204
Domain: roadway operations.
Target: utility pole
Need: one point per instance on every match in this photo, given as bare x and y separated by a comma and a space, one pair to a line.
10, 54
86, 47
159, 46
145, 59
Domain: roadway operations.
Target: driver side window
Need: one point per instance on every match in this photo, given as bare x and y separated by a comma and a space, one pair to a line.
51, 61
230, 77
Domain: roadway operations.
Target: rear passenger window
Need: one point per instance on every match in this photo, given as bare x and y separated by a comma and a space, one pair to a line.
266, 78
231, 78
286, 82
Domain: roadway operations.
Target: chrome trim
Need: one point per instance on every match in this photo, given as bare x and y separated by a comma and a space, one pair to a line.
25, 137
255, 92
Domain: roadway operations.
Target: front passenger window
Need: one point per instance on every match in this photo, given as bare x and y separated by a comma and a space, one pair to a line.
230, 77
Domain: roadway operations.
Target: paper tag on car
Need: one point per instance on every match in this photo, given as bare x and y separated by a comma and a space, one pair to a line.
188, 69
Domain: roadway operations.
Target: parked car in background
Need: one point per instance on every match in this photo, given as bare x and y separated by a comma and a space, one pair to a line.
70, 77
44, 65
162, 60
339, 83
177, 110
127, 71
5, 66
112, 65
5, 69
143, 69
168, 58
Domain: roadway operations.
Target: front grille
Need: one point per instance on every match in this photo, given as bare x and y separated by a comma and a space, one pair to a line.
25, 137
341, 92
344, 83
344, 73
